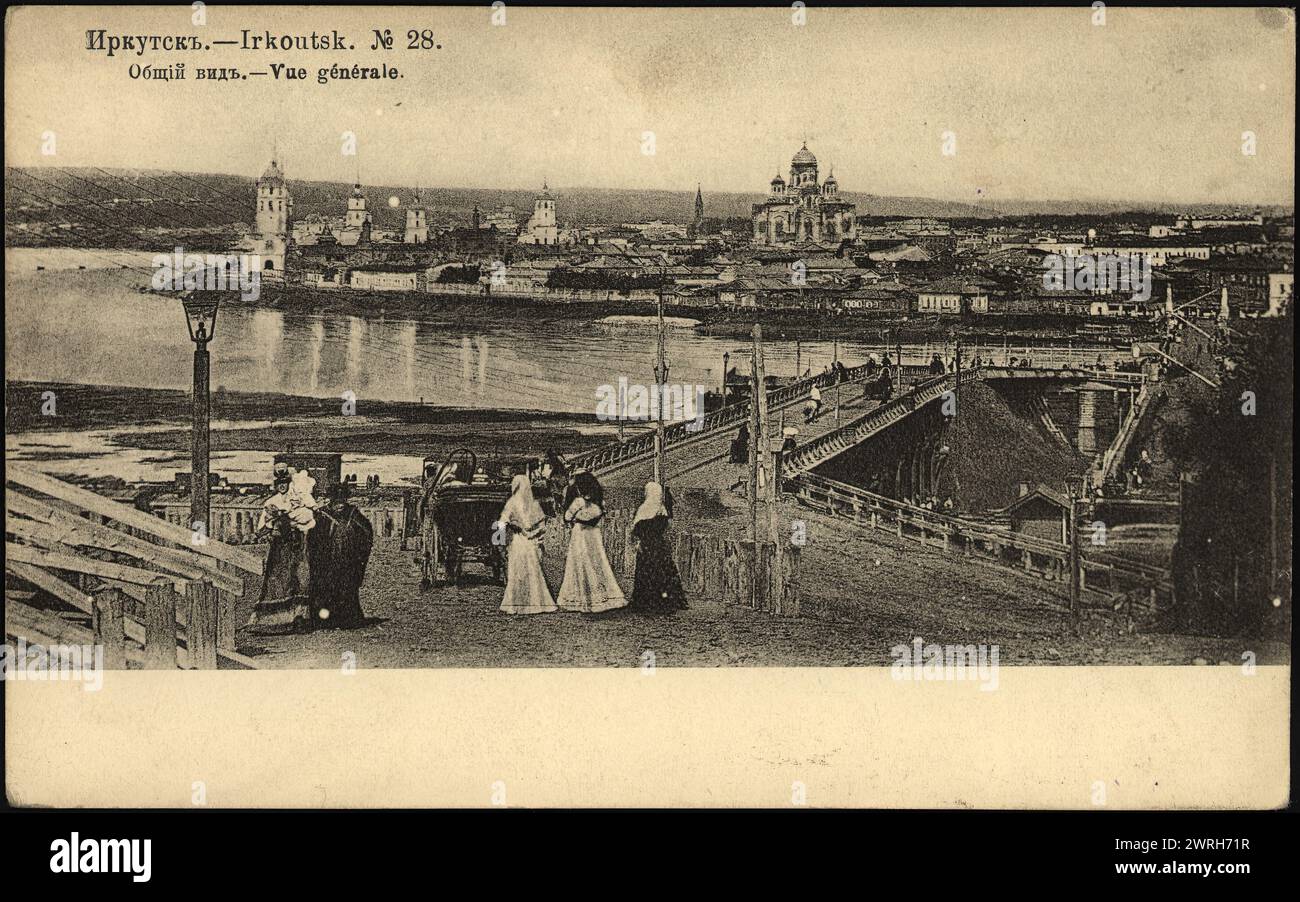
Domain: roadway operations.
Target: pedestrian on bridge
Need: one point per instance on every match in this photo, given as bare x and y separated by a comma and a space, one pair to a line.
740, 446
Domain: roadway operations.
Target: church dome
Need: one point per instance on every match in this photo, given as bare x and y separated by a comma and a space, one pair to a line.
356, 190
804, 157
778, 181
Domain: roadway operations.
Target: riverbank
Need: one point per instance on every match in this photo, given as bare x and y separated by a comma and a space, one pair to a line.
267, 422
481, 310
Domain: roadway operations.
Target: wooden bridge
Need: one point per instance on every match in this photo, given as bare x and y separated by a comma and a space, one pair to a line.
934, 388
697, 458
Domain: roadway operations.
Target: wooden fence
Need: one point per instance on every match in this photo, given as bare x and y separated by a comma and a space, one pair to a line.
234, 519
1104, 574
154, 597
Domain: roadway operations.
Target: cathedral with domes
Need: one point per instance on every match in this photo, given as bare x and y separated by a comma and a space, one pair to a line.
802, 209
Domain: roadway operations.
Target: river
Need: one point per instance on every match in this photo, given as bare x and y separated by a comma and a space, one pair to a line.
81, 317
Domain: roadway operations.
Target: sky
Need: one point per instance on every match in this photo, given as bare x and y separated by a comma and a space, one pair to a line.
1040, 104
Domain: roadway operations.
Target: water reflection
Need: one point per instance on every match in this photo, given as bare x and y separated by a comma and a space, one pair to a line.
95, 327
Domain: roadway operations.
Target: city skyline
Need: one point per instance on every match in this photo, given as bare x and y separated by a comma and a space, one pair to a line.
570, 101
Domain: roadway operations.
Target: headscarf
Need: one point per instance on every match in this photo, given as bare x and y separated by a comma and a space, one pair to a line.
586, 485
522, 510
653, 505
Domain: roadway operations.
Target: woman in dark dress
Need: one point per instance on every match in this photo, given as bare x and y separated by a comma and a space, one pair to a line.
339, 549
657, 588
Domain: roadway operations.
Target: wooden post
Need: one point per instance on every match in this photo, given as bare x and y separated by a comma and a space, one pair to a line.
769, 451
107, 618
160, 626
201, 628
227, 609
1076, 577
661, 380
755, 436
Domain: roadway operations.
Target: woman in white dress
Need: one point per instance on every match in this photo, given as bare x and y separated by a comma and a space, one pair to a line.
589, 585
526, 591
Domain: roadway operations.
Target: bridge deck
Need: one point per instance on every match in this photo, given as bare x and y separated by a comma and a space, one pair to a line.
705, 464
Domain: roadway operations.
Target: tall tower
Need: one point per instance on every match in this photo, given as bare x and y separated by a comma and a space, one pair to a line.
417, 231
542, 228
356, 208
273, 209
698, 222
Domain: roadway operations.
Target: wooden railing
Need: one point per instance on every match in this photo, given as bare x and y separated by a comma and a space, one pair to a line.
619, 454
1103, 573
824, 447
1114, 377
156, 597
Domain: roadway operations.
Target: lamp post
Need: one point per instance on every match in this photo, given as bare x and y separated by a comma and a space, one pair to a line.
726, 362
201, 318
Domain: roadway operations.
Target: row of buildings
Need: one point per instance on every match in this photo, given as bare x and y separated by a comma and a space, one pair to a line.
806, 247
276, 233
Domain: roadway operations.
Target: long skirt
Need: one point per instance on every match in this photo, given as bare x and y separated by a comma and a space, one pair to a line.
658, 587
526, 591
589, 585
286, 581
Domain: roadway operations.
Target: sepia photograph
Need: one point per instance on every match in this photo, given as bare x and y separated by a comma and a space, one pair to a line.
936, 361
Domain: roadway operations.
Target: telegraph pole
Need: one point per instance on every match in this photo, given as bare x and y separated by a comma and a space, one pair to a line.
755, 390
1074, 550
767, 456
661, 380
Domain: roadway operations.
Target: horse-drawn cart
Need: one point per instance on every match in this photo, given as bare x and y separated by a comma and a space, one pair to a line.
457, 514
459, 509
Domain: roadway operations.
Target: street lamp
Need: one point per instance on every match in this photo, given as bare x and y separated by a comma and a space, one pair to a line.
726, 360
201, 318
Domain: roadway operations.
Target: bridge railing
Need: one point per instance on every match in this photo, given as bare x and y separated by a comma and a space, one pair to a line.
1103, 573
816, 451
618, 453
995, 371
